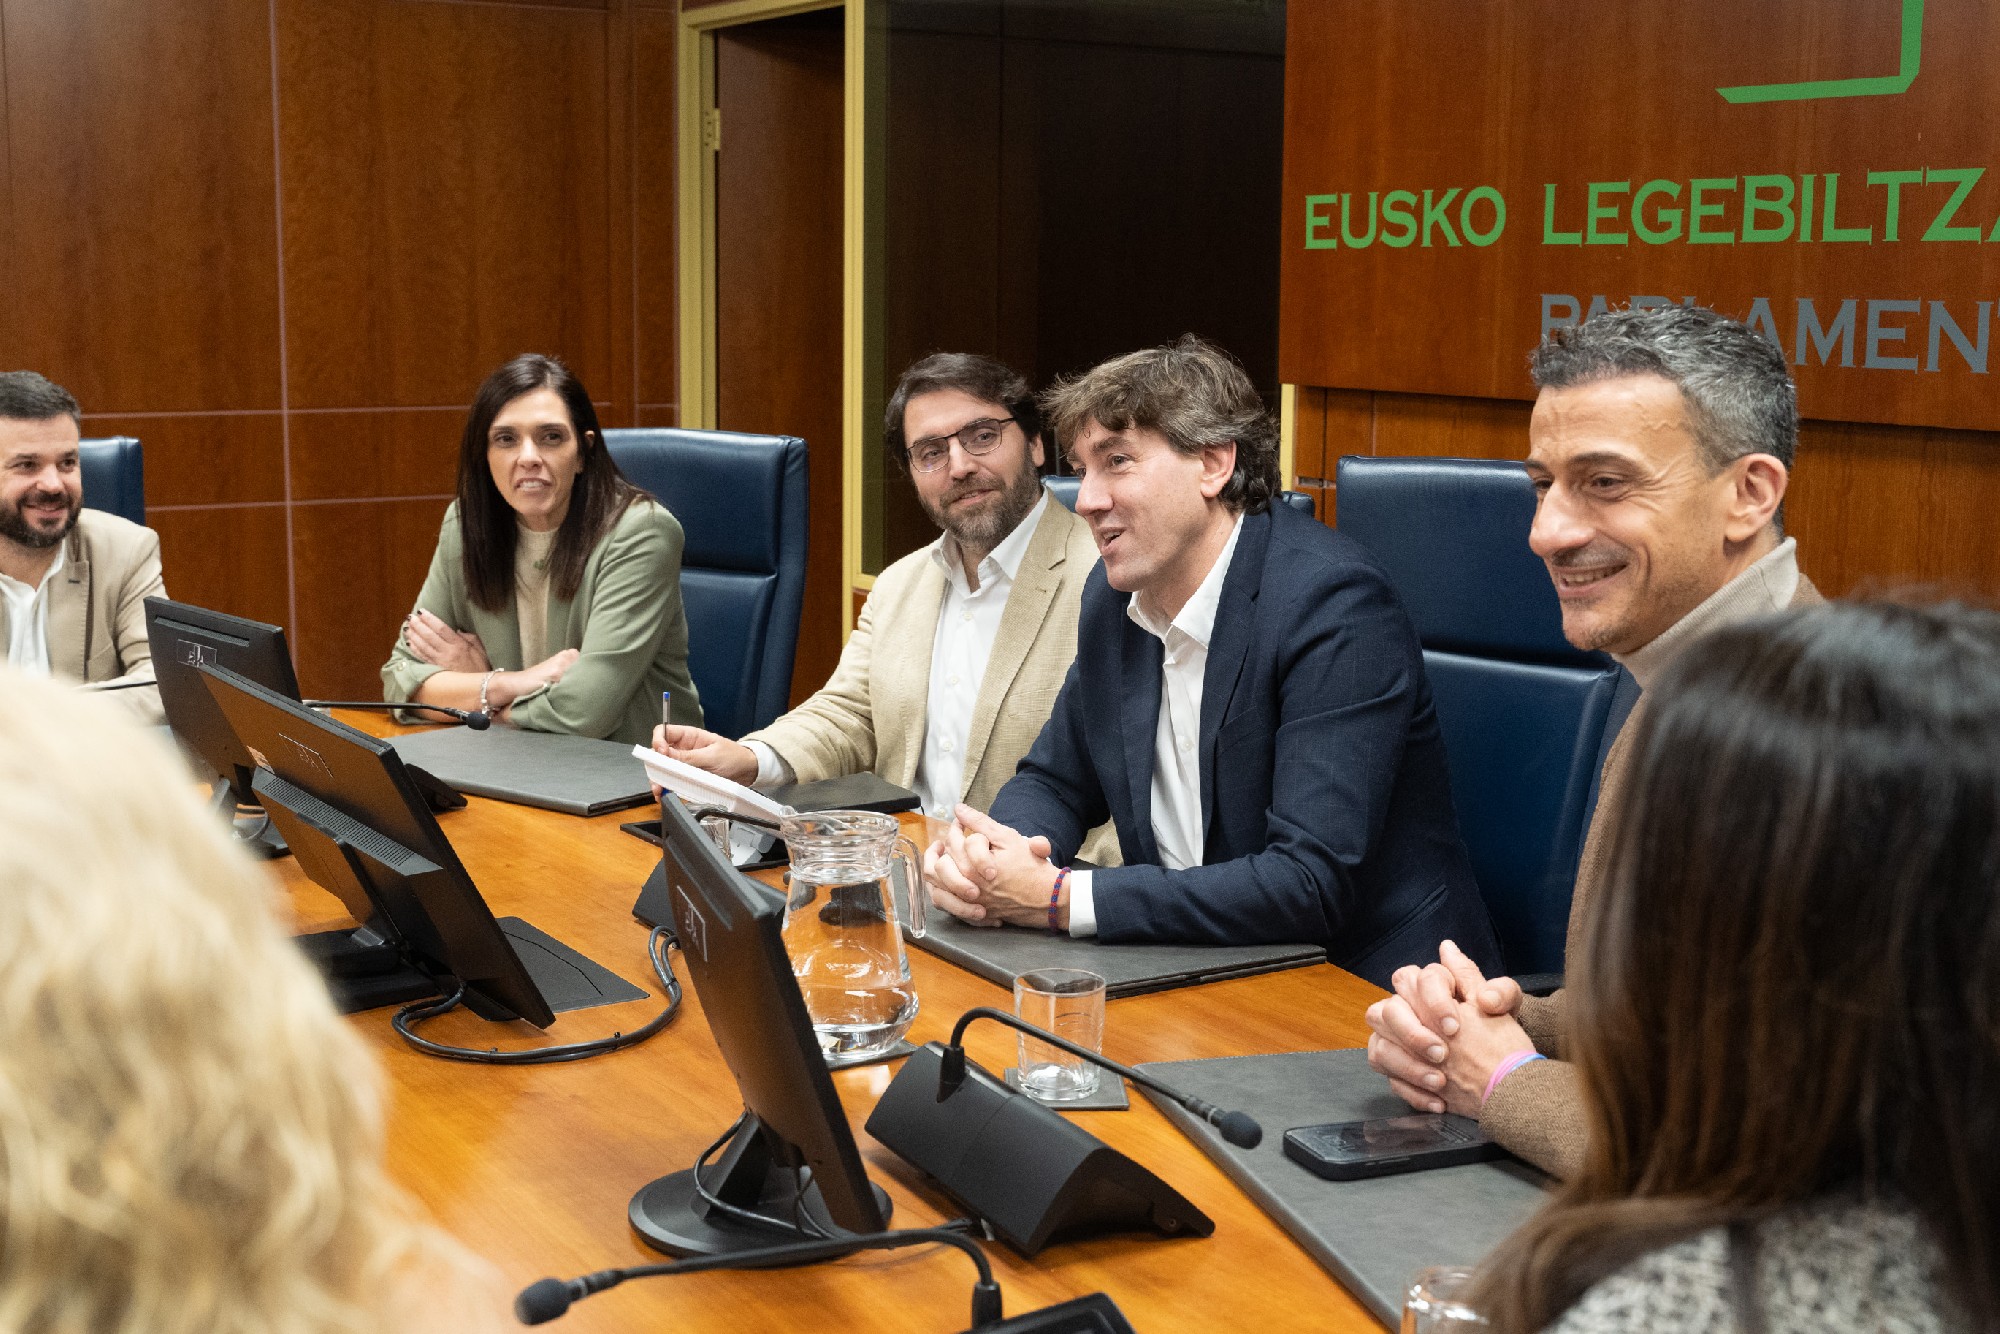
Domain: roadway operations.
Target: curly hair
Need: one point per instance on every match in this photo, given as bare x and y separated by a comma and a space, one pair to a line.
1190, 391
190, 1137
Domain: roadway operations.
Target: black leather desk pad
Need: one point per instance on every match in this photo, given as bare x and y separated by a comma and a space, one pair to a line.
1372, 1235
1001, 953
577, 775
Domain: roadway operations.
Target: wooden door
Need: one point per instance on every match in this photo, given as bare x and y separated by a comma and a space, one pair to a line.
778, 216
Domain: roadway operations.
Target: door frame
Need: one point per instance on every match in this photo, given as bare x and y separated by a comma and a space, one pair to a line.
865, 96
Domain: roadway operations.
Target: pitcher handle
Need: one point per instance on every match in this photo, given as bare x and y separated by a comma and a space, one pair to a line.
913, 881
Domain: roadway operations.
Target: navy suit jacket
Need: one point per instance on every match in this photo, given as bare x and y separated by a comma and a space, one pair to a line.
1324, 794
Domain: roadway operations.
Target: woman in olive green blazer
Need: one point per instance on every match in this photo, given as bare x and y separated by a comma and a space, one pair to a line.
554, 597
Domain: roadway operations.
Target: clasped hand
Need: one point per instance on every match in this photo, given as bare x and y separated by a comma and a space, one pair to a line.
1442, 1035
437, 643
985, 873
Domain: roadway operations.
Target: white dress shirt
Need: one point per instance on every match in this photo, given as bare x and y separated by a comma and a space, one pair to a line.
1176, 791
968, 623
28, 620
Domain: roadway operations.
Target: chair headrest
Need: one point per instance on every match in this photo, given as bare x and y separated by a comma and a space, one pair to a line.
727, 489
1452, 534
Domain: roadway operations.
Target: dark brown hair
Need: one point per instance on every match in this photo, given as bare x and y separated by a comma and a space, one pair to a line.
1791, 984
969, 373
486, 521
1190, 391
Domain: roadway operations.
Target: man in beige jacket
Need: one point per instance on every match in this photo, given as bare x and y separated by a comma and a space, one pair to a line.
73, 582
1661, 445
963, 645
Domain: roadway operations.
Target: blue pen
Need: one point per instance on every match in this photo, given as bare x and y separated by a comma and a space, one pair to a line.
666, 708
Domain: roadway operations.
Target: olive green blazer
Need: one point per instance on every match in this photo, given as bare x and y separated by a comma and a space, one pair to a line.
626, 620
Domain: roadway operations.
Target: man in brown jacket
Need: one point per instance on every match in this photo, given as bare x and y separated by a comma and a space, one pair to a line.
73, 582
1660, 446
962, 646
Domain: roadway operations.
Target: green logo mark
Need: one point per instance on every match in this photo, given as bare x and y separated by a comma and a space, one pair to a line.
1886, 85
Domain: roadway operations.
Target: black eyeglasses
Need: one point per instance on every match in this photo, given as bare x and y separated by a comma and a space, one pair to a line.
975, 437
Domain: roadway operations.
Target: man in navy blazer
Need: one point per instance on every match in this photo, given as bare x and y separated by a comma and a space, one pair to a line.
1248, 706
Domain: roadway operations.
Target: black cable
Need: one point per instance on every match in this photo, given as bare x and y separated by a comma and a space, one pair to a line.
736, 1211
657, 945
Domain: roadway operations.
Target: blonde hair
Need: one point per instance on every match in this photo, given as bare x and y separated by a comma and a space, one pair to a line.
190, 1137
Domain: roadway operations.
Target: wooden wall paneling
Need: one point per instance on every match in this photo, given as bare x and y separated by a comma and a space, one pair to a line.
376, 453
1457, 428
142, 274
1880, 509
620, 218
778, 217
351, 593
1166, 199
944, 215
235, 459
654, 148
445, 197
231, 558
1309, 447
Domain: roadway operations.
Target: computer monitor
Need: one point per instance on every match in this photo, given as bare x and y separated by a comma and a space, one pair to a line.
183, 638
794, 1156
360, 828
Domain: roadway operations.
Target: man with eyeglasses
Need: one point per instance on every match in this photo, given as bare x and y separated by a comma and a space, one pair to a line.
962, 646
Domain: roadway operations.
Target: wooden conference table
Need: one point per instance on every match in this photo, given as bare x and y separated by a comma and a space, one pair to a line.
533, 1166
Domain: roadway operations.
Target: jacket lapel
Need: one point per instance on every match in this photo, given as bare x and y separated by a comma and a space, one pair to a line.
1235, 621
1028, 604
906, 675
69, 613
1140, 656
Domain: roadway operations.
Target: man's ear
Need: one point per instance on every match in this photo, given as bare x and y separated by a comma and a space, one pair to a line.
1218, 465
1757, 488
1035, 451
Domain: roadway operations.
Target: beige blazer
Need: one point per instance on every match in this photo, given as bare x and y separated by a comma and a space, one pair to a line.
1537, 1112
870, 715
97, 610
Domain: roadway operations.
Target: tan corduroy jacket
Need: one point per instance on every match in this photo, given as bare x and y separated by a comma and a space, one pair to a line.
1537, 1112
870, 715
97, 610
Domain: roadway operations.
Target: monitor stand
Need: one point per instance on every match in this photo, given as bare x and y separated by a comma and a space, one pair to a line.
670, 1216
253, 826
363, 970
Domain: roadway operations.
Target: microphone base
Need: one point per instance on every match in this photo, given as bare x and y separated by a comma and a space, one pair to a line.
1035, 1177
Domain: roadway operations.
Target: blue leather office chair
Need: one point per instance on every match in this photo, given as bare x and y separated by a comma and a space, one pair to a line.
1064, 489
741, 499
114, 476
1524, 715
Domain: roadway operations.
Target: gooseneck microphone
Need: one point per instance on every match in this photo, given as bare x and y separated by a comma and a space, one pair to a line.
478, 722
541, 1302
1236, 1127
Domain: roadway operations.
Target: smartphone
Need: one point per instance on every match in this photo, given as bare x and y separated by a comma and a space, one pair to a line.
1350, 1150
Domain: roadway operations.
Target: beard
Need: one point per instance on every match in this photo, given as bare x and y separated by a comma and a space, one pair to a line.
984, 530
15, 527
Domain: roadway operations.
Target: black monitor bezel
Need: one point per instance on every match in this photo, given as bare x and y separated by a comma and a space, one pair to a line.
438, 917
191, 712
778, 1066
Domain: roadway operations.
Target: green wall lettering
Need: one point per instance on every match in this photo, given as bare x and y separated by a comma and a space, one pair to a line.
1367, 239
1396, 206
1828, 230
1493, 197
1596, 211
1965, 178
1317, 221
1698, 209
1550, 236
1893, 212
1756, 204
1434, 216
1669, 217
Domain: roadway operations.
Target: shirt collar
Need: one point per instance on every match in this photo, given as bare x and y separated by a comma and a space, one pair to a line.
55, 567
1197, 619
1768, 586
1008, 555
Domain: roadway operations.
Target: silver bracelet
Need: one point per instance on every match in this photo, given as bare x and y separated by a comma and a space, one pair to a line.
484, 682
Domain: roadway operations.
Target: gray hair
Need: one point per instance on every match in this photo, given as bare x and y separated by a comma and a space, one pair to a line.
1190, 391
26, 396
1739, 392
